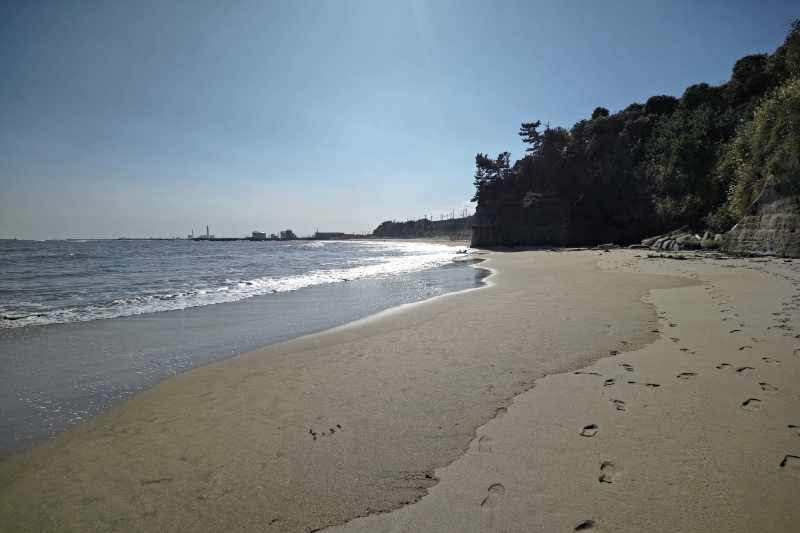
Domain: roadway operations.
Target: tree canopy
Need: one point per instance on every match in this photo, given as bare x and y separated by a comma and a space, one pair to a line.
699, 159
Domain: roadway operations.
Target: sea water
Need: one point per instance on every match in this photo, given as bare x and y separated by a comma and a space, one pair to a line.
86, 324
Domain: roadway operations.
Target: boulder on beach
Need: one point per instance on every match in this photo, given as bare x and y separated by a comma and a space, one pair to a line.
678, 240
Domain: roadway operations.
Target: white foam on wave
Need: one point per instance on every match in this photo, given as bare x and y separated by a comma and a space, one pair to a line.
416, 257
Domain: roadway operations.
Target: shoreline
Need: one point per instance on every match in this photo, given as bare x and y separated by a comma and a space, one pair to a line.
58, 375
407, 391
354, 421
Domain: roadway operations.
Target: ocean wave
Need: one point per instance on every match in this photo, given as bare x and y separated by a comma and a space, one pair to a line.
415, 257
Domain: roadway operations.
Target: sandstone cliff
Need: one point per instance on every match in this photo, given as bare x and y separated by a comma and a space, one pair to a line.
771, 228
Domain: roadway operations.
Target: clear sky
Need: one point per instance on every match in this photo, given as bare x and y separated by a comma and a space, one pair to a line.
155, 118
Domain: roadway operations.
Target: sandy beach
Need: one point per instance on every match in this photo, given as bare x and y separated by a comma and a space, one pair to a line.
578, 390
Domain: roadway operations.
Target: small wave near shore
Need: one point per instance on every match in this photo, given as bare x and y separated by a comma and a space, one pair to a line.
73, 281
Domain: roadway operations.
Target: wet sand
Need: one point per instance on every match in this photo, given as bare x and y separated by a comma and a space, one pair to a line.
473, 399
54, 376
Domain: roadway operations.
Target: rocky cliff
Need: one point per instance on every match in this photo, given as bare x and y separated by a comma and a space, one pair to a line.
552, 220
500, 221
771, 228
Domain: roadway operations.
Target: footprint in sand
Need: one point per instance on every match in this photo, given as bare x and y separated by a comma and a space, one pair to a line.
771, 361
644, 384
493, 496
745, 370
609, 382
766, 387
330, 431
607, 472
746, 348
589, 431
735, 330
791, 464
160, 481
585, 526
673, 325
687, 350
687, 375
484, 444
588, 373
752, 404
492, 500
795, 428
619, 404
673, 339
725, 366
627, 367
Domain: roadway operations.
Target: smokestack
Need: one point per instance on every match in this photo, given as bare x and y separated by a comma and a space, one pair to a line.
207, 231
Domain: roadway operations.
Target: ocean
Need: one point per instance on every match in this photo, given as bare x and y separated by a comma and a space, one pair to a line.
86, 324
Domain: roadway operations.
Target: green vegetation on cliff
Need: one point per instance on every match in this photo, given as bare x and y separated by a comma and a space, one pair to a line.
768, 145
700, 159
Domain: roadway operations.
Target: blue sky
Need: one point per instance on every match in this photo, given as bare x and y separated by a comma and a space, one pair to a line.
153, 118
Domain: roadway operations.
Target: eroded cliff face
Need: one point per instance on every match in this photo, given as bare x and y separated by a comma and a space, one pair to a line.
502, 221
772, 227
552, 220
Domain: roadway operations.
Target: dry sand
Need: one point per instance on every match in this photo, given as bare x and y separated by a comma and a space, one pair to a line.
695, 432
368, 417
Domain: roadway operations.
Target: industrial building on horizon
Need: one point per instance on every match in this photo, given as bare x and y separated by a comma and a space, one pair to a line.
325, 235
257, 235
